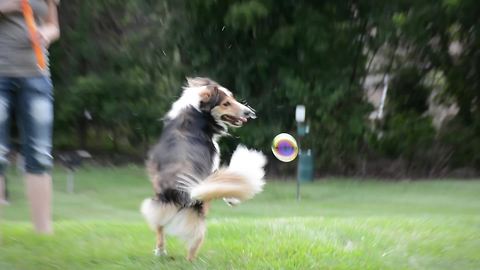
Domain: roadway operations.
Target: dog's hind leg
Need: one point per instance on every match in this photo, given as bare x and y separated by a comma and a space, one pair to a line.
157, 214
194, 246
160, 247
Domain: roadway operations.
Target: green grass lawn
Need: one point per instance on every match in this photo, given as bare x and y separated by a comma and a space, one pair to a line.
338, 224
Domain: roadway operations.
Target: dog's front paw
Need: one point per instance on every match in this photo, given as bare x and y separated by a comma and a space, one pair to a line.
231, 201
159, 252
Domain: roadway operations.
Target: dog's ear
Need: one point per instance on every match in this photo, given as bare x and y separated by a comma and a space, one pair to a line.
199, 81
193, 82
209, 98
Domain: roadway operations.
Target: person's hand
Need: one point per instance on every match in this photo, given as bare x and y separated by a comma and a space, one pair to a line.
43, 36
9, 6
46, 34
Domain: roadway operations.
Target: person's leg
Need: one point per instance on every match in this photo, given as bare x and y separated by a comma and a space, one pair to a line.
36, 123
6, 86
39, 194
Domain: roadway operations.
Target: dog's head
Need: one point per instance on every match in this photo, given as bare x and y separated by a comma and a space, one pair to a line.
210, 97
220, 103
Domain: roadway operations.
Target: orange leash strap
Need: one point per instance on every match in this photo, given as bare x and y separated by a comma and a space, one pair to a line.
32, 30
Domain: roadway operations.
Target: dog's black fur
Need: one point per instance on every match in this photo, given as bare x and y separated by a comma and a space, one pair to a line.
186, 145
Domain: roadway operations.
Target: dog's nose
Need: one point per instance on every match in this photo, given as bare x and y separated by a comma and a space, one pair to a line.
249, 114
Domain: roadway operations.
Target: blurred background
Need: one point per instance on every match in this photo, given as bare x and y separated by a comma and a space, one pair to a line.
119, 65
391, 91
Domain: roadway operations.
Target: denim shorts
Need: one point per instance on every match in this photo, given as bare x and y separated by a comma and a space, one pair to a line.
32, 100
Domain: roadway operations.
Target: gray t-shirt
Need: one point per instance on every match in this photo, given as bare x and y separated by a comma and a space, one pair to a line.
17, 58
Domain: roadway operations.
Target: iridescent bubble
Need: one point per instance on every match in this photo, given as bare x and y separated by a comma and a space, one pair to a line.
284, 147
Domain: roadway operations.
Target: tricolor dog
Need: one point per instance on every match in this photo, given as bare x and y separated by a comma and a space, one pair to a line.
184, 165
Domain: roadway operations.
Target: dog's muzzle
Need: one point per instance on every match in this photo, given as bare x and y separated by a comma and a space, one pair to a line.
249, 113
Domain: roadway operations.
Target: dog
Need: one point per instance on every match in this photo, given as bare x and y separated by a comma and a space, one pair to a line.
183, 166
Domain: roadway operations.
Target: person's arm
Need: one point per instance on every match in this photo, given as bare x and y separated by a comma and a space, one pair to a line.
50, 31
9, 6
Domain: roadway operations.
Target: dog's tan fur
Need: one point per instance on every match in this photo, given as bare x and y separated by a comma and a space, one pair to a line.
225, 184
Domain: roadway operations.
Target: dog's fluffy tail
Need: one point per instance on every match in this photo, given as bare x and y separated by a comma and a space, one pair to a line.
241, 180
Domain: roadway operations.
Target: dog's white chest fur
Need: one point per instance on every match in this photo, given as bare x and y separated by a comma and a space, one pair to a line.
216, 156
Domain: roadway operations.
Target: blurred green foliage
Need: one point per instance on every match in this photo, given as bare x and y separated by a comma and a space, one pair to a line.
124, 62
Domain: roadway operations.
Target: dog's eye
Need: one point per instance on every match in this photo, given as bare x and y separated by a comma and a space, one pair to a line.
226, 104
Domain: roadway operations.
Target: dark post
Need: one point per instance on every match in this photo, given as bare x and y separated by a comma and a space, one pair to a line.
299, 160
6, 195
301, 131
